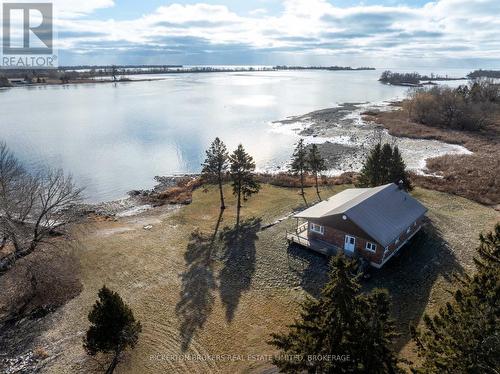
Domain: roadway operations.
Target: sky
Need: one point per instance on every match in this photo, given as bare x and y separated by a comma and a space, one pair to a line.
378, 33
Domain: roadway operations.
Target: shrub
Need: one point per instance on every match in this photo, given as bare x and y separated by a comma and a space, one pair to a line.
463, 108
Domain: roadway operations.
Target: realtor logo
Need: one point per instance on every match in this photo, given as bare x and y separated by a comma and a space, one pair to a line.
28, 34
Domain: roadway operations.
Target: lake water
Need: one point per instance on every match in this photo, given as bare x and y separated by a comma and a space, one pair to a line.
117, 137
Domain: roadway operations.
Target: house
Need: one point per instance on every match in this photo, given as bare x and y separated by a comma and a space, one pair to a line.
372, 223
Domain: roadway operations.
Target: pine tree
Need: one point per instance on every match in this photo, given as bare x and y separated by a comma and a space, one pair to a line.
384, 165
215, 166
489, 251
113, 327
316, 164
299, 165
464, 337
370, 173
343, 321
375, 350
397, 172
242, 174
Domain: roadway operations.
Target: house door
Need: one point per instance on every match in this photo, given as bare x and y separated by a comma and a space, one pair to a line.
350, 243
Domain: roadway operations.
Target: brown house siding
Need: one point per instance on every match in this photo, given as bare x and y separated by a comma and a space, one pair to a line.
337, 237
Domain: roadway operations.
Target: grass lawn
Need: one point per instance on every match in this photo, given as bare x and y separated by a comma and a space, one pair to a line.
198, 293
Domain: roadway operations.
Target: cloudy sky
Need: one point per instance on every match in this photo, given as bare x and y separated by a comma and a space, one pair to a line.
380, 33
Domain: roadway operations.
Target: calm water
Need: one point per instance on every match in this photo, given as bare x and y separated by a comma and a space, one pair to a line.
114, 138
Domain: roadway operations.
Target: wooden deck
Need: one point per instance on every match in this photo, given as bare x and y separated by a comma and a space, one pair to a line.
300, 237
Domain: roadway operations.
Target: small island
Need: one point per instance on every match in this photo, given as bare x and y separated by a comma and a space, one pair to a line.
413, 79
493, 74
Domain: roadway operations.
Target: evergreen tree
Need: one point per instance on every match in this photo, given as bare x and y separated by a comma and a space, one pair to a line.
464, 337
316, 164
370, 173
113, 327
242, 174
300, 165
215, 166
397, 171
343, 321
375, 350
384, 165
489, 251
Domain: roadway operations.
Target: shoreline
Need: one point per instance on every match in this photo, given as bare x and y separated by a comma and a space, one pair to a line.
80, 81
345, 134
341, 152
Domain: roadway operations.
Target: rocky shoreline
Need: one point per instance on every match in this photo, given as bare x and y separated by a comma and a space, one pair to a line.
139, 201
344, 137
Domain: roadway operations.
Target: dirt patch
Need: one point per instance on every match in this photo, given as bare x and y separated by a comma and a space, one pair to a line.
475, 176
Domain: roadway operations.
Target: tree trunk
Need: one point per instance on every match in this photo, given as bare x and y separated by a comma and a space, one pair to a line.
222, 205
302, 183
113, 364
302, 187
238, 206
317, 188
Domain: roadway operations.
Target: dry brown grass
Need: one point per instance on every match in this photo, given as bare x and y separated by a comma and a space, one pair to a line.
474, 176
182, 193
293, 181
160, 274
153, 269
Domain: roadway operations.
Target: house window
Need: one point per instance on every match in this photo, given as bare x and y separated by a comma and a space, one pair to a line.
371, 247
317, 228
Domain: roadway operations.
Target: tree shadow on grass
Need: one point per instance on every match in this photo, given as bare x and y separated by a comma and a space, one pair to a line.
411, 275
239, 262
198, 284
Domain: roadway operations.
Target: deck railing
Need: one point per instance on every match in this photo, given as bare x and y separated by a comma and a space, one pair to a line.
302, 228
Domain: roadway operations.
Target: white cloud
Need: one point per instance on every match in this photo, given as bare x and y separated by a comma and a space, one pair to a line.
258, 12
442, 29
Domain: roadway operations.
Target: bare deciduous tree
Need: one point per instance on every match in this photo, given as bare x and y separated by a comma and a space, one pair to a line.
33, 205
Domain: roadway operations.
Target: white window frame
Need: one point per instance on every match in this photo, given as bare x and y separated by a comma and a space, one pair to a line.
318, 229
396, 241
372, 247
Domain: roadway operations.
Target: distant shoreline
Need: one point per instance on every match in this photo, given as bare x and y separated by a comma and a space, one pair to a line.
95, 74
428, 82
55, 82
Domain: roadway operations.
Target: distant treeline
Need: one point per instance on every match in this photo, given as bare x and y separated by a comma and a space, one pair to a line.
89, 72
285, 67
484, 74
411, 79
103, 67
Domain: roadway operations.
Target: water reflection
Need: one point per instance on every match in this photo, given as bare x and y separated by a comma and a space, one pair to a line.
117, 137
